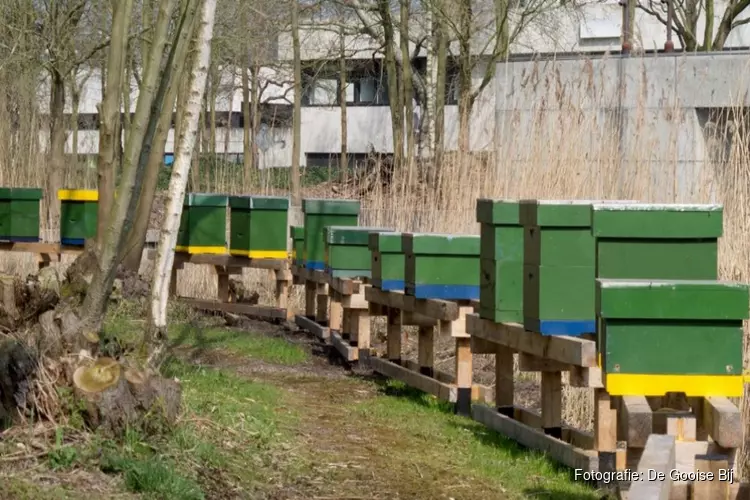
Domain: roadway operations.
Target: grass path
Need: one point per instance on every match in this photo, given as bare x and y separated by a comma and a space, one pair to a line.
268, 416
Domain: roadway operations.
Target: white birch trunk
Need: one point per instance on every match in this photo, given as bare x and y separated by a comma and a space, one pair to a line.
180, 171
427, 120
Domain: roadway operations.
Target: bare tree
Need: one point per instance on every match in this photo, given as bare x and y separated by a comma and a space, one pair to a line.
177, 184
297, 112
160, 121
685, 17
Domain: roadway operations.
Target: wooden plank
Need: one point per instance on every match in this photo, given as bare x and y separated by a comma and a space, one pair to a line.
569, 350
481, 346
722, 420
463, 376
344, 286
413, 379
348, 352
393, 335
605, 425
635, 423
310, 295
321, 297
558, 450
479, 392
250, 310
426, 350
503, 376
311, 326
530, 363
658, 458
586, 376
441, 310
551, 400
229, 260
709, 487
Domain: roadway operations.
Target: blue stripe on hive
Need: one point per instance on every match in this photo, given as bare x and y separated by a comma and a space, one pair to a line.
445, 292
20, 239
317, 265
388, 285
570, 328
78, 242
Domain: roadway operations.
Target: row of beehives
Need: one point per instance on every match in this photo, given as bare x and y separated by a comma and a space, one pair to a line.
641, 277
258, 223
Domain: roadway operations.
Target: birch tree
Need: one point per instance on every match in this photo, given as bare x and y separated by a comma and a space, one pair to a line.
177, 185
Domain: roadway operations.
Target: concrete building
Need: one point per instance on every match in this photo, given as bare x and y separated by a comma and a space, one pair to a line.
543, 49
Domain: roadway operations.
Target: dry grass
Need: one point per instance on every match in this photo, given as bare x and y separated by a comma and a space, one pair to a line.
567, 154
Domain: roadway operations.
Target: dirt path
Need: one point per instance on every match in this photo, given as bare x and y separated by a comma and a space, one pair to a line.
361, 437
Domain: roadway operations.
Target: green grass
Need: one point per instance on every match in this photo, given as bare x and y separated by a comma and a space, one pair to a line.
242, 343
479, 451
254, 436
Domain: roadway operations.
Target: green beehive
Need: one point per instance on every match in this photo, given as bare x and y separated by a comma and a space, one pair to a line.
298, 243
441, 266
258, 226
559, 266
203, 225
319, 213
347, 254
19, 214
643, 241
387, 261
665, 336
501, 260
78, 215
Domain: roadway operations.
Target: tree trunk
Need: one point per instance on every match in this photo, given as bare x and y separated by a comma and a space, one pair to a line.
119, 221
441, 76
395, 97
255, 111
169, 85
186, 144
215, 77
56, 150
344, 161
75, 103
297, 107
247, 157
464, 77
228, 124
406, 83
110, 115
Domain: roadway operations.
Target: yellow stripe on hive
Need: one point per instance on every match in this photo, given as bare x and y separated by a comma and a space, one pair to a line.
261, 254
78, 195
627, 384
197, 250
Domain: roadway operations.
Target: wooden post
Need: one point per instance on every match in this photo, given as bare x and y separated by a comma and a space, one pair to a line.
605, 436
283, 279
463, 375
173, 283
716, 488
336, 313
426, 353
321, 315
222, 282
394, 335
363, 336
346, 324
504, 381
353, 326
552, 403
310, 289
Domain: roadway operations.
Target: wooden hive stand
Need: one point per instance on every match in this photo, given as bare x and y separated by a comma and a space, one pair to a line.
227, 265
550, 355
431, 316
349, 321
315, 319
